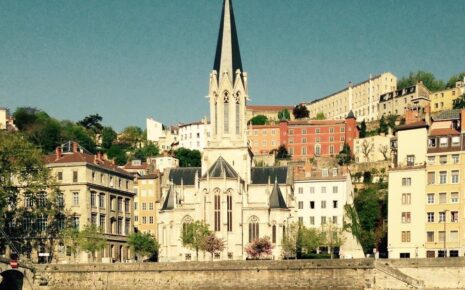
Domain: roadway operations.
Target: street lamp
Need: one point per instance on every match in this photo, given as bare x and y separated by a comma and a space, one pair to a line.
445, 221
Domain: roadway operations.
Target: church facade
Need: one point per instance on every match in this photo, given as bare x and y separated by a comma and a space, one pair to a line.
239, 202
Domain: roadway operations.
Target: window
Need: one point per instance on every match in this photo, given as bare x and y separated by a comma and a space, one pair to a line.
430, 217
323, 220
304, 140
442, 177
455, 158
406, 198
323, 204
443, 142
126, 205
430, 237
312, 220
443, 159
406, 217
405, 236
300, 190
455, 141
454, 197
312, 205
60, 176
41, 223
431, 160
253, 229
334, 203
323, 189
335, 189
301, 204
331, 149
120, 204
430, 198
120, 226
273, 234
317, 131
304, 150
150, 219
410, 160
93, 197
441, 236
75, 222
324, 173
335, 220
442, 217
144, 206
406, 181
101, 200
342, 129
317, 149
75, 176
454, 236
301, 220
150, 205
75, 198
217, 200
431, 177
93, 219
454, 216
229, 211
432, 143
312, 189
455, 176
291, 131
60, 200
102, 222
442, 197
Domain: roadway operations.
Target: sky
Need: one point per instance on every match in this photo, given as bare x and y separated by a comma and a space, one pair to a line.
128, 60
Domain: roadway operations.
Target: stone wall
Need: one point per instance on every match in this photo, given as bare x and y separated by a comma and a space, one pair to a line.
310, 274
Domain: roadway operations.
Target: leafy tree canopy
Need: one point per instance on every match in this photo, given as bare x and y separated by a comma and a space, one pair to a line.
133, 136
428, 79
213, 245
92, 240
143, 244
284, 115
188, 158
367, 205
118, 153
260, 248
259, 120
108, 137
193, 235
320, 116
92, 122
300, 112
345, 156
455, 78
363, 129
149, 150
383, 126
282, 152
459, 103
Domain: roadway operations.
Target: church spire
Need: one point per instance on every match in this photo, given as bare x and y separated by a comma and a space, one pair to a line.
228, 56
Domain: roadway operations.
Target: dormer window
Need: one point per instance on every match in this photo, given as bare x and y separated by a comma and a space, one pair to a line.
455, 141
432, 142
443, 142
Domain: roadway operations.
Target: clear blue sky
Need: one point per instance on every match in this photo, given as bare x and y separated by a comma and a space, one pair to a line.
128, 60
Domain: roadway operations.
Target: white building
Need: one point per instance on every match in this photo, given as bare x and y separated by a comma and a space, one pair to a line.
161, 163
154, 130
238, 202
321, 197
194, 135
3, 118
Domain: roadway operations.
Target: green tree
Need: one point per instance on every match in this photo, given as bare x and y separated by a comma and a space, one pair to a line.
455, 78
25, 117
331, 236
108, 137
132, 136
282, 152
92, 240
300, 111
188, 158
391, 121
290, 241
143, 244
149, 150
428, 79
345, 156
193, 236
367, 205
383, 126
363, 129
73, 132
320, 116
459, 103
284, 115
71, 239
118, 153
259, 120
93, 123
213, 245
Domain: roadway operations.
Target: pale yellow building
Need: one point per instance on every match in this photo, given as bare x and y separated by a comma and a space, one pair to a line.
443, 100
147, 203
95, 191
271, 112
397, 102
362, 99
372, 149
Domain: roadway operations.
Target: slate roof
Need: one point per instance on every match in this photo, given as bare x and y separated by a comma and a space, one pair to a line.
168, 204
276, 198
186, 174
262, 175
453, 114
221, 168
350, 115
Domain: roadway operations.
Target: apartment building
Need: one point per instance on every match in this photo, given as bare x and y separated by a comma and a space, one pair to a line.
443, 100
361, 98
147, 190
397, 102
165, 137
306, 139
95, 191
271, 112
264, 138
194, 135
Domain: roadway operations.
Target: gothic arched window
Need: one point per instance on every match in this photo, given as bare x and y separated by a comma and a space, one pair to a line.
215, 112
273, 234
226, 111
230, 203
238, 113
253, 229
185, 225
217, 202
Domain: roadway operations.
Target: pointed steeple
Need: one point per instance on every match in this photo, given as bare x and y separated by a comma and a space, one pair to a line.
228, 56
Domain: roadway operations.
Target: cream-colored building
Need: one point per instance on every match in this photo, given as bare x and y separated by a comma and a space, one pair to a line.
372, 149
406, 196
95, 191
147, 190
239, 203
6, 120
397, 102
271, 112
443, 100
163, 162
165, 137
362, 99
194, 135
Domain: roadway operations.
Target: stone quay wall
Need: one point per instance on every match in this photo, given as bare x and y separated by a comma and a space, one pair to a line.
294, 274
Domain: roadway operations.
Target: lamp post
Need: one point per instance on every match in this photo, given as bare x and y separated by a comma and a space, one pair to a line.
445, 221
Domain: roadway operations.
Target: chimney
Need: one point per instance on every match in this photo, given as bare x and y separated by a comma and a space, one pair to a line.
411, 116
58, 153
75, 147
427, 111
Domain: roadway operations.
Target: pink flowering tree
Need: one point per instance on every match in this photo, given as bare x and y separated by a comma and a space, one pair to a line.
260, 248
213, 245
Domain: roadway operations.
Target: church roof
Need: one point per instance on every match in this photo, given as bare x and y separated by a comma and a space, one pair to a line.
169, 199
263, 175
276, 197
221, 168
228, 56
184, 174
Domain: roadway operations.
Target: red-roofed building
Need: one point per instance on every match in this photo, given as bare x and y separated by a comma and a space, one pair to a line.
95, 191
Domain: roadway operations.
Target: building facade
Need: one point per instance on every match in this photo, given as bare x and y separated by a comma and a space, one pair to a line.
95, 191
239, 203
264, 138
362, 99
443, 100
147, 191
194, 135
397, 102
372, 149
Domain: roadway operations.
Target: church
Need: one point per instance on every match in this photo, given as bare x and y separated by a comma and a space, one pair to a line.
240, 203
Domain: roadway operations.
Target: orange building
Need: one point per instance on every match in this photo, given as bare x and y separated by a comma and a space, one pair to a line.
264, 138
